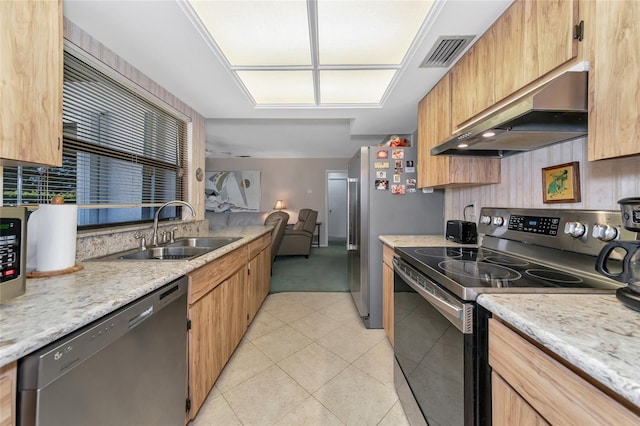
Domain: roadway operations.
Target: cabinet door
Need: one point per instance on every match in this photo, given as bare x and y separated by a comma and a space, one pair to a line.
31, 76
259, 282
533, 38
614, 79
473, 80
508, 408
434, 127
387, 292
552, 388
549, 28
218, 322
8, 385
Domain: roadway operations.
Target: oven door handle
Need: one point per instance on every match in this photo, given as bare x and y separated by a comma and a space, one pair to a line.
458, 315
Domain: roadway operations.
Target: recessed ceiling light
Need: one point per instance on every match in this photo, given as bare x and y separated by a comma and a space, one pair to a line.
312, 52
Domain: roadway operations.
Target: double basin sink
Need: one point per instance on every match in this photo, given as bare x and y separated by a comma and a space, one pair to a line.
182, 249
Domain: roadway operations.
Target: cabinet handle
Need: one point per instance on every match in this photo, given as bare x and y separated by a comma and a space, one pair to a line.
578, 31
58, 144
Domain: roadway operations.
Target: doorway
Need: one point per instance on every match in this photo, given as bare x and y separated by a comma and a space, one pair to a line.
336, 213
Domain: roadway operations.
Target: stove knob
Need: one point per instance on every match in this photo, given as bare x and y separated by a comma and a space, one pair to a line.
498, 221
575, 229
485, 220
604, 232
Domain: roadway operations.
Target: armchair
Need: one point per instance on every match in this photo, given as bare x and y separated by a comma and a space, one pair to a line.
279, 221
297, 239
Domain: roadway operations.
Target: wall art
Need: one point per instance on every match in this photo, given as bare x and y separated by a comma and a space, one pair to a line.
232, 191
561, 183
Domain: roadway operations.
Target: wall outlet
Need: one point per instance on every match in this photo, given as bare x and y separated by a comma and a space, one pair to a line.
475, 210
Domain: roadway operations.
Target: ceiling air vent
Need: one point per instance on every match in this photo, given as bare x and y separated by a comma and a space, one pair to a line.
445, 50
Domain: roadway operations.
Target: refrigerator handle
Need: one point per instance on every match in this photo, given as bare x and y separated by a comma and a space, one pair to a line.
352, 214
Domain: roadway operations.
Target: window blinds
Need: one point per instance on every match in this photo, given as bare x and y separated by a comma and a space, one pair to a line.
122, 155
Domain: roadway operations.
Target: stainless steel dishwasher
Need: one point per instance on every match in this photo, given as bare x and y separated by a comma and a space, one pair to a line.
127, 368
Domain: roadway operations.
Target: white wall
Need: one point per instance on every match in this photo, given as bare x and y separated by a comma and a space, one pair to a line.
602, 183
300, 182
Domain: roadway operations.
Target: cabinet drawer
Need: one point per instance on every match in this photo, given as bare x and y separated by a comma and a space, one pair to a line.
256, 246
556, 392
203, 279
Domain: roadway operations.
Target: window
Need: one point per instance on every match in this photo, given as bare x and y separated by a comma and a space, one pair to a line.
122, 155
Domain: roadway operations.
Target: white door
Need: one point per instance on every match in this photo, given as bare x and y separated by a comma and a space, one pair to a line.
337, 206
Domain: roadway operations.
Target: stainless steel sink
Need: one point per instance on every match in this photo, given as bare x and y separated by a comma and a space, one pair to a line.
211, 242
167, 253
182, 249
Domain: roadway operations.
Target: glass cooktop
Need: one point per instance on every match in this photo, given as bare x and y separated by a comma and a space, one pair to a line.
467, 271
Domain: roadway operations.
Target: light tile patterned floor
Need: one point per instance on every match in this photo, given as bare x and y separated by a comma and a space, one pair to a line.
307, 359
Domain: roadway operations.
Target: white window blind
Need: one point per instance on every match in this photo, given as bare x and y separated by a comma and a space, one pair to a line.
122, 155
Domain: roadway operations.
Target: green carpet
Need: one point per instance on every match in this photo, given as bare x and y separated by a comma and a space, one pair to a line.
324, 270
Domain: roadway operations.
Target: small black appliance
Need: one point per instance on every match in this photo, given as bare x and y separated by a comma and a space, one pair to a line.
462, 232
627, 269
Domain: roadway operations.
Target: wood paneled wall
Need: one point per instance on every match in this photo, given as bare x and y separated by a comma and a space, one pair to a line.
602, 182
196, 157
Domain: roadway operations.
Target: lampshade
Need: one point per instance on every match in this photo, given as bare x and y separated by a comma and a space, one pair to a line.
280, 205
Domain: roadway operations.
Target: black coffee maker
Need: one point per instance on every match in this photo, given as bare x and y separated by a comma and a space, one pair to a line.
620, 260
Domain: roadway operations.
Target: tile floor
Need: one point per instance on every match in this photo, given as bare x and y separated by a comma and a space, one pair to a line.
306, 359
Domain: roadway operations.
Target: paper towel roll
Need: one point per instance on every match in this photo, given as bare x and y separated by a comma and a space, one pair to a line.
51, 244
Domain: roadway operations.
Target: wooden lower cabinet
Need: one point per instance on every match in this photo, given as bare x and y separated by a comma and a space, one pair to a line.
509, 408
217, 326
8, 386
532, 387
387, 291
259, 282
224, 296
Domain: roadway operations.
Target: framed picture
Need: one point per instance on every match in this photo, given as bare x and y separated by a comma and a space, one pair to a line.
561, 183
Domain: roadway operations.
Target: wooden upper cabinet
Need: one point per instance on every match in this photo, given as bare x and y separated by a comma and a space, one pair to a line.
434, 127
473, 80
550, 27
533, 38
31, 89
516, 59
614, 79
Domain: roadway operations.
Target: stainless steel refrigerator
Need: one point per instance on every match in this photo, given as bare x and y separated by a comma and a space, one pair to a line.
382, 199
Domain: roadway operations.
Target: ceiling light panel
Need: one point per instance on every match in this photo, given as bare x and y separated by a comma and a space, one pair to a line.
262, 33
354, 86
368, 32
279, 87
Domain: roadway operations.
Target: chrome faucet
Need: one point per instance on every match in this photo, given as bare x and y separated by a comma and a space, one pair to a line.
154, 238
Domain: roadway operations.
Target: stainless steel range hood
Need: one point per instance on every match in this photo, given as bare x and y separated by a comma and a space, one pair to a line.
555, 112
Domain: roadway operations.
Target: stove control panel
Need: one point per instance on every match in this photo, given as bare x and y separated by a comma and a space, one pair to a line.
534, 224
579, 231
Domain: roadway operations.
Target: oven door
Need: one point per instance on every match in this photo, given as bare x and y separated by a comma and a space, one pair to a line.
434, 350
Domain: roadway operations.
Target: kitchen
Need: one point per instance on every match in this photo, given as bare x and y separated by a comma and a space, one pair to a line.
603, 182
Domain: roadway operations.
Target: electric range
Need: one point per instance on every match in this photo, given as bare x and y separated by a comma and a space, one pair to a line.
440, 338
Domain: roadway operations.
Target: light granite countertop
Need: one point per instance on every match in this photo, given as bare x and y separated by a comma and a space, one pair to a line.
419, 240
54, 307
595, 333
